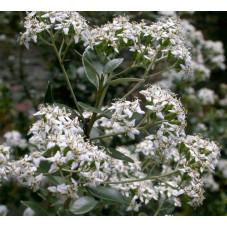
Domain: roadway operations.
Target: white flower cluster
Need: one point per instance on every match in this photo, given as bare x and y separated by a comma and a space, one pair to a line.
67, 190
223, 102
58, 133
207, 96
169, 111
222, 167
206, 56
146, 147
147, 41
199, 155
204, 51
162, 38
37, 22
4, 157
57, 140
164, 146
21, 170
210, 183
205, 153
113, 33
142, 192
139, 192
170, 190
170, 78
195, 191
194, 156
215, 53
24, 172
14, 139
127, 169
121, 120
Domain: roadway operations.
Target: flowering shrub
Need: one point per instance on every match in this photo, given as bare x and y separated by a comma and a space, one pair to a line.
72, 164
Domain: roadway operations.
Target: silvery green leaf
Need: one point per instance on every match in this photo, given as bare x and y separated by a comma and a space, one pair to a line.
113, 64
92, 66
108, 193
83, 205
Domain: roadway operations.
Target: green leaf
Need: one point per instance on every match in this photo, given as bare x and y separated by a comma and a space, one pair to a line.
113, 64
169, 56
108, 193
122, 80
118, 155
53, 180
148, 40
35, 207
48, 99
92, 66
93, 109
44, 166
83, 205
42, 193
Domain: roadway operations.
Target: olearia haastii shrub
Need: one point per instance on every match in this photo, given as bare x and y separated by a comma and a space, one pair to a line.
67, 162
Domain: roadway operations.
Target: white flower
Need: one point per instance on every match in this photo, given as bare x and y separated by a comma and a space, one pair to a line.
14, 139
207, 96
68, 190
3, 210
57, 160
28, 212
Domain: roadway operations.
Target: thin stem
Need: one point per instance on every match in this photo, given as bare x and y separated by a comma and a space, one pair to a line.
66, 204
66, 78
149, 125
141, 179
146, 132
71, 171
145, 117
56, 33
168, 184
45, 41
66, 49
98, 97
159, 207
62, 44
62, 176
124, 71
139, 83
48, 201
152, 169
108, 135
146, 164
145, 77
133, 89
161, 58
103, 96
162, 71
